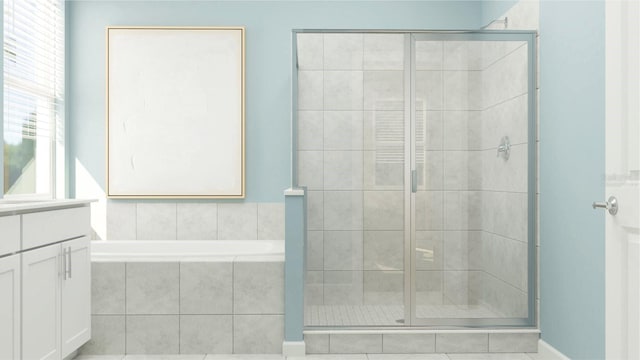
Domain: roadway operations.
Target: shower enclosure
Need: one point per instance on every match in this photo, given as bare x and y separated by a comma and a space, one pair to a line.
418, 154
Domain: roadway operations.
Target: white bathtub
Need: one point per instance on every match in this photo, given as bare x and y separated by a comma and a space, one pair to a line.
187, 250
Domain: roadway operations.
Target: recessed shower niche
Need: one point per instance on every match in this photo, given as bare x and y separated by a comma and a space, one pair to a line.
415, 217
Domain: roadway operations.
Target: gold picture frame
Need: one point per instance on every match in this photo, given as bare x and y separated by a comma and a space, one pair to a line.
175, 112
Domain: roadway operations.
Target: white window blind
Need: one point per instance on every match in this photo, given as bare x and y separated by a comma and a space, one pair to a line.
33, 91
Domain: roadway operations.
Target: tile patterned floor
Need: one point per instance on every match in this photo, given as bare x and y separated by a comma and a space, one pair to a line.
519, 356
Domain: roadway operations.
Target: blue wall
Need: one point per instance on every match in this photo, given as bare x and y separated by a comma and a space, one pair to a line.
572, 113
268, 65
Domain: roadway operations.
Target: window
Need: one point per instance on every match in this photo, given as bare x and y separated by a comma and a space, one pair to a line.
33, 128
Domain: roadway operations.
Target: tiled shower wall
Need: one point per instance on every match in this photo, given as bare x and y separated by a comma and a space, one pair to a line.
130, 220
504, 183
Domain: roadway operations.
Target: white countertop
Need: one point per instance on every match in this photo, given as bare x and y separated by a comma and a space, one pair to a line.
14, 207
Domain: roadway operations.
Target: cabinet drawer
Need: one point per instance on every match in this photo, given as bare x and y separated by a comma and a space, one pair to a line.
10, 238
45, 227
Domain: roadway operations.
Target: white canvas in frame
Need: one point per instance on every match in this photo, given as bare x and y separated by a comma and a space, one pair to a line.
175, 112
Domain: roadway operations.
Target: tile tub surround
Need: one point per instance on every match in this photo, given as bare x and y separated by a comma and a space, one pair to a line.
231, 306
172, 220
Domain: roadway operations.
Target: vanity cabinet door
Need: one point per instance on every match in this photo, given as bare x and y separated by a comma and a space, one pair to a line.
41, 303
76, 294
10, 307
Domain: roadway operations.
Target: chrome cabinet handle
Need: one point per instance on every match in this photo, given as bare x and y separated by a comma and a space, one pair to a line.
69, 259
611, 205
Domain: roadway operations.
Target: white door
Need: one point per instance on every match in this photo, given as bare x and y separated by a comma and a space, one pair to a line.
622, 244
10, 307
76, 295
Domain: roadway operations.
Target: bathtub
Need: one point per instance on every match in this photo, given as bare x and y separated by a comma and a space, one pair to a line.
185, 250
202, 297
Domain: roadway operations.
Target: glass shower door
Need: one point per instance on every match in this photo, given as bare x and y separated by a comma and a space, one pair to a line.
351, 157
471, 235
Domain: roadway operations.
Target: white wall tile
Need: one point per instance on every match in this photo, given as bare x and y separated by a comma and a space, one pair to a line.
384, 250
343, 170
509, 118
258, 288
156, 221
429, 90
507, 260
462, 90
429, 55
343, 90
315, 250
315, 210
206, 288
310, 51
429, 210
310, 90
107, 336
506, 78
343, 51
313, 290
381, 174
463, 250
384, 90
197, 221
463, 55
342, 130
462, 130
429, 250
310, 169
378, 123
355, 344
456, 287
462, 343
270, 221
121, 220
384, 287
310, 130
316, 343
511, 343
107, 288
238, 221
343, 210
343, 250
428, 289
206, 334
383, 51
431, 170
383, 210
343, 287
430, 126
153, 334
152, 288
258, 334
408, 343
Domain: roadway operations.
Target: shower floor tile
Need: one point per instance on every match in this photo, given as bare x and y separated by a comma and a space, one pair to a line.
386, 315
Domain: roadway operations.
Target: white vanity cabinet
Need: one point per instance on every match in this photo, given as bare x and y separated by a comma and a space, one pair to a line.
45, 284
56, 299
10, 307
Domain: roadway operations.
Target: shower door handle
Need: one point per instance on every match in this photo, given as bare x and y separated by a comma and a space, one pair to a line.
414, 181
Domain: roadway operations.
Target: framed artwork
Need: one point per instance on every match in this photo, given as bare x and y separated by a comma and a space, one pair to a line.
175, 112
